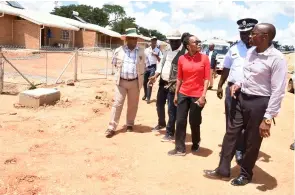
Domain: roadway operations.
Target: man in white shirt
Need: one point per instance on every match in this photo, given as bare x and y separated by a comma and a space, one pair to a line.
166, 91
233, 71
153, 56
260, 93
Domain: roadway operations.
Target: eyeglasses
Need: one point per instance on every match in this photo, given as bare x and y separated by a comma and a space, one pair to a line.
252, 34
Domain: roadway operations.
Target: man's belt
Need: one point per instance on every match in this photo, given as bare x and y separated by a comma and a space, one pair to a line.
152, 65
250, 96
129, 79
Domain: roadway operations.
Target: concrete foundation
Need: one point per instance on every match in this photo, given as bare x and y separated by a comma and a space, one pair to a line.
39, 97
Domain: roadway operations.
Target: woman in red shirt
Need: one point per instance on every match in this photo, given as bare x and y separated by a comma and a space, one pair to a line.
190, 95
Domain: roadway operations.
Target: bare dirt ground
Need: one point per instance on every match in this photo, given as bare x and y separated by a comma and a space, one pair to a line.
62, 149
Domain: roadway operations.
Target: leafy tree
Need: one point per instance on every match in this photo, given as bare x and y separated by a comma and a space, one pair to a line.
286, 48
115, 12
159, 35
144, 31
276, 44
112, 15
87, 13
121, 25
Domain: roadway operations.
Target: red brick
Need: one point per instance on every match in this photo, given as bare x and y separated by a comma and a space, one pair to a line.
6, 30
26, 34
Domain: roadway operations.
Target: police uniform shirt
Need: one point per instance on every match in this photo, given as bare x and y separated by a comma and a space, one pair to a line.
234, 60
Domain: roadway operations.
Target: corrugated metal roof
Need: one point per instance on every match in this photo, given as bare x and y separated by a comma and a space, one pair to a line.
51, 20
89, 26
37, 18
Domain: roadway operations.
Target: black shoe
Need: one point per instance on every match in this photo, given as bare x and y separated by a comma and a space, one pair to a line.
213, 174
292, 146
176, 153
240, 181
109, 133
144, 97
158, 127
195, 147
148, 101
129, 129
167, 138
239, 157
210, 87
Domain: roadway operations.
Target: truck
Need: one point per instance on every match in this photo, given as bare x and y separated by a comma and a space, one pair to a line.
221, 47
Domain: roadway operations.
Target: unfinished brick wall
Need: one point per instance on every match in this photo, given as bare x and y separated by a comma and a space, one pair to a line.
85, 38
26, 34
6, 30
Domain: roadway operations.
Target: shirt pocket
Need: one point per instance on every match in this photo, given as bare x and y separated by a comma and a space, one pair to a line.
119, 60
258, 68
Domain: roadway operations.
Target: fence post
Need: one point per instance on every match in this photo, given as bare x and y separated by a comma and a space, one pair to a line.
46, 67
1, 71
76, 66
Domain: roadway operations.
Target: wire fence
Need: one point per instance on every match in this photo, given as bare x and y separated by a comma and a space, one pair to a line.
24, 68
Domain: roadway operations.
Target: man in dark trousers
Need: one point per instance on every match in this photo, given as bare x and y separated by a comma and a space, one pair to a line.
165, 91
211, 53
259, 95
233, 71
153, 56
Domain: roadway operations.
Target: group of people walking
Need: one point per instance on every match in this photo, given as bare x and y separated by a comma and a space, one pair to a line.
256, 78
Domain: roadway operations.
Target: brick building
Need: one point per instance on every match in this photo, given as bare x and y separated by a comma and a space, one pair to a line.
34, 30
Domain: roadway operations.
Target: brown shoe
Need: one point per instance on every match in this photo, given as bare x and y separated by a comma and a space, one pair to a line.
109, 133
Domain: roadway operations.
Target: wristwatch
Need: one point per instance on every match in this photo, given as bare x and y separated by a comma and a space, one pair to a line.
267, 121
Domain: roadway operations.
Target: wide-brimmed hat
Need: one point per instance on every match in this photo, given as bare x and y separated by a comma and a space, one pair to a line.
131, 32
173, 35
154, 38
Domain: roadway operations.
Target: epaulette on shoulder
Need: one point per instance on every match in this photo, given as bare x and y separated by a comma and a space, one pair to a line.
233, 44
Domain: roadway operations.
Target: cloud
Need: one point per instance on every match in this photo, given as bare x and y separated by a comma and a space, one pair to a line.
286, 36
185, 14
140, 5
203, 34
45, 6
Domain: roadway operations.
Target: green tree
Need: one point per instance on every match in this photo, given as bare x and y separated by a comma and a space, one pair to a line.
286, 48
144, 31
276, 44
115, 12
87, 13
159, 35
121, 25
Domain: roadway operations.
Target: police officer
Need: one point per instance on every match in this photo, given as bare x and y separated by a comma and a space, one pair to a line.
233, 71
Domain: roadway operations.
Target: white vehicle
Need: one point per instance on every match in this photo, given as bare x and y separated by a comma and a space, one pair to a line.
221, 47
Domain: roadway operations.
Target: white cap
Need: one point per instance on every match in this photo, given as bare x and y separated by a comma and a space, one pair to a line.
174, 35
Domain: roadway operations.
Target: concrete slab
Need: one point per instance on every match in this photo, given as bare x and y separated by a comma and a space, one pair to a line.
39, 97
